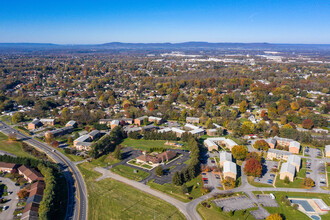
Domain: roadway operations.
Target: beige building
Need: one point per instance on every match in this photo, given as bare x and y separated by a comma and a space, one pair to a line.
289, 170
295, 160
278, 154
327, 151
225, 156
211, 132
229, 170
48, 121
210, 145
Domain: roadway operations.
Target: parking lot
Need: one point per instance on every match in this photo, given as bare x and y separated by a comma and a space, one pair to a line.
211, 180
267, 201
312, 152
234, 203
267, 177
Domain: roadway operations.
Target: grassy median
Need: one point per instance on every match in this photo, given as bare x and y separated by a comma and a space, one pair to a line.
14, 147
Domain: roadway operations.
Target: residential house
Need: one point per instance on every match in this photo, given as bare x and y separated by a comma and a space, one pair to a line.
229, 169
30, 212
29, 174
7, 167
287, 170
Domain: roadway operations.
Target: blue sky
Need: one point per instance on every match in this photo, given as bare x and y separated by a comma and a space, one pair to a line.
84, 22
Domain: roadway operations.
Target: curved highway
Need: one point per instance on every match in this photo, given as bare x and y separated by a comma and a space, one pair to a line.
77, 194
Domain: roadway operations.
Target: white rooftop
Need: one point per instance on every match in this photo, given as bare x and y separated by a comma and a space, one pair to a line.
294, 159
229, 166
225, 156
294, 144
327, 148
288, 167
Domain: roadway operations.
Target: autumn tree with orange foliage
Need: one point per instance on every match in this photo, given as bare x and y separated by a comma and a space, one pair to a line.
253, 167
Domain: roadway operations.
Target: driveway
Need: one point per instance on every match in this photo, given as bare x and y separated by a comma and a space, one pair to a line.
12, 198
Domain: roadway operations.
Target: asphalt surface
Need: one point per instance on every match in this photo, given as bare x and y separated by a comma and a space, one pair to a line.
12, 199
77, 194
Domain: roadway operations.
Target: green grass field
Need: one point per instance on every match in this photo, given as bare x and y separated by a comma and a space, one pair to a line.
104, 161
128, 172
110, 199
13, 147
6, 119
175, 191
288, 211
146, 144
298, 181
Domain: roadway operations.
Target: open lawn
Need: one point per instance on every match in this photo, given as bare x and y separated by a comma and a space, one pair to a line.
298, 180
175, 191
144, 144
6, 119
212, 213
110, 199
104, 161
13, 147
128, 172
147, 144
288, 211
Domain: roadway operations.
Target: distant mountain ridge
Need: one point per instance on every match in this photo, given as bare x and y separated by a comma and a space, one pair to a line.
183, 45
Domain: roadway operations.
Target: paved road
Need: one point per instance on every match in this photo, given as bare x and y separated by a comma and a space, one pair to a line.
77, 198
12, 198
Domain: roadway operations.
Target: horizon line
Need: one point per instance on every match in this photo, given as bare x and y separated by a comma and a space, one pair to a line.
86, 44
